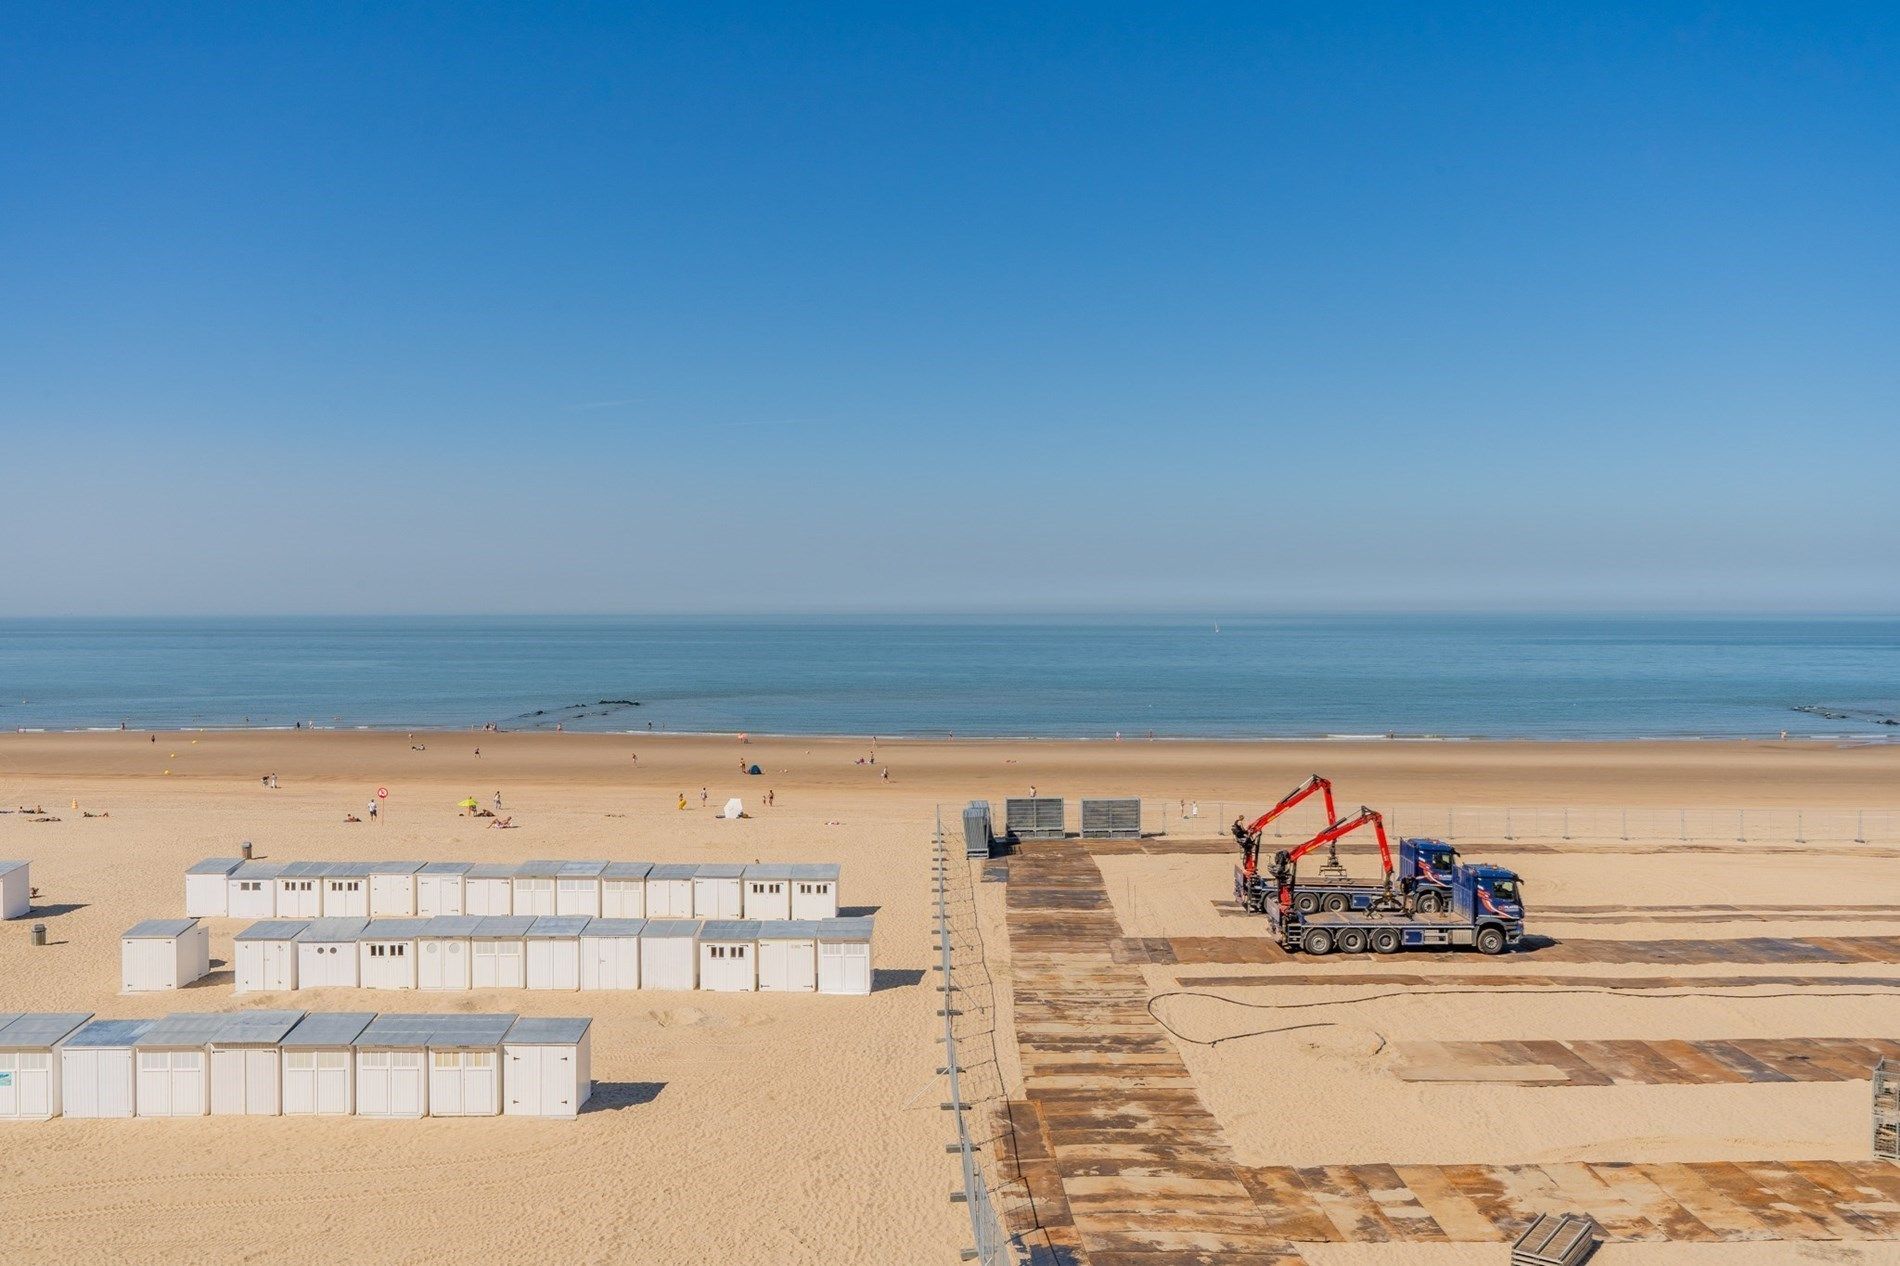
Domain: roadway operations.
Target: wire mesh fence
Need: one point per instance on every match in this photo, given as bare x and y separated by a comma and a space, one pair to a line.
1541, 823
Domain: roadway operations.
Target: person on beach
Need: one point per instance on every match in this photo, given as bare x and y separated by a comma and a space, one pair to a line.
372, 811
682, 802
770, 798
498, 802
702, 797
1032, 791
478, 753
886, 774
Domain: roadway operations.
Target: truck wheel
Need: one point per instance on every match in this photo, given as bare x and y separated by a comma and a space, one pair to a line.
1352, 941
1429, 903
1306, 903
1491, 940
1318, 942
1385, 941
1336, 901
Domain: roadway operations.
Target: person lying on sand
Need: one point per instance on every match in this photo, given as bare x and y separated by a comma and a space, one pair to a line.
48, 818
351, 817
90, 814
501, 824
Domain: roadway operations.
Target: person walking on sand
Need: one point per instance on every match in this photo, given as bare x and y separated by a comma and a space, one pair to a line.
1032, 791
498, 802
886, 774
682, 802
770, 798
478, 753
372, 811
702, 797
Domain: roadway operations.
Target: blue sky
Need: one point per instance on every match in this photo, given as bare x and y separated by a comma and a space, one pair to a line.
707, 308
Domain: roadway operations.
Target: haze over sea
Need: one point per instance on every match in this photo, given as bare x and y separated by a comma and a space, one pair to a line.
1255, 677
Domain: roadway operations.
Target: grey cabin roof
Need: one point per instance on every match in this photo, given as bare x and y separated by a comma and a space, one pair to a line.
394, 929
673, 870
815, 871
273, 930
304, 870
159, 929
394, 868
626, 870
184, 1028
109, 1033
844, 929
332, 929
258, 870
657, 928
582, 870
558, 925
769, 870
349, 870
730, 930
256, 1028
789, 929
510, 926
449, 1029
327, 1028
458, 925
492, 870
613, 927
536, 1030
444, 868
718, 870
7, 868
39, 1028
209, 866
540, 868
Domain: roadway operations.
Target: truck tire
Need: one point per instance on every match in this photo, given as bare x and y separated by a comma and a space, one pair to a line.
1429, 903
1491, 939
1306, 903
1385, 941
1352, 941
1318, 942
1336, 902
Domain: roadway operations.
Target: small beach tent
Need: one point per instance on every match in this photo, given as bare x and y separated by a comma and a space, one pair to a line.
95, 1069
668, 954
326, 954
546, 1069
844, 956
718, 891
554, 952
251, 891
534, 887
498, 952
386, 953
670, 891
768, 891
733, 810
174, 1064
206, 894
163, 954
30, 1046
392, 889
489, 888
814, 890
247, 1067
346, 891
577, 889
443, 956
439, 889
16, 889
729, 955
788, 956
320, 1064
265, 955
623, 890
610, 953
300, 889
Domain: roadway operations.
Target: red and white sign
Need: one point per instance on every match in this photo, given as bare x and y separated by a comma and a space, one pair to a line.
382, 793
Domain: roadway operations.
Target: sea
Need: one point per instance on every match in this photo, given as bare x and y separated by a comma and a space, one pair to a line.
1258, 677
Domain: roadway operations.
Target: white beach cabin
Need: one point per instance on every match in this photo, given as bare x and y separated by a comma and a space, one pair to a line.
577, 889
489, 889
96, 1069
247, 1066
300, 890
174, 1064
435, 1065
768, 890
386, 953
554, 952
814, 890
207, 895
16, 889
534, 887
610, 953
392, 1078
670, 891
547, 1066
439, 889
443, 955
30, 1047
718, 890
729, 955
320, 1065
844, 956
326, 954
265, 955
163, 954
788, 956
498, 952
346, 891
392, 889
251, 890
623, 890
669, 957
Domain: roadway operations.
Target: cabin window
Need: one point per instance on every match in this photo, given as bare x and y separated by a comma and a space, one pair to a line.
479, 1059
300, 1061
447, 1059
34, 1061
153, 1062
332, 1059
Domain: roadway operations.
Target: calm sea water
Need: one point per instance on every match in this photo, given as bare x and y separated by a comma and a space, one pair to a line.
1555, 677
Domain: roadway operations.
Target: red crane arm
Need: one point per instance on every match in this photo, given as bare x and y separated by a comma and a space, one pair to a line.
1299, 793
1344, 827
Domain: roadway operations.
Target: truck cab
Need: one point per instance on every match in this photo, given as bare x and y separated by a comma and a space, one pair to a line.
1427, 868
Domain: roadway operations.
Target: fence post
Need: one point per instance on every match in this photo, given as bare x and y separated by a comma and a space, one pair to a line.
1683, 821
1566, 821
1507, 824
1800, 831
1626, 826
1741, 826
1860, 826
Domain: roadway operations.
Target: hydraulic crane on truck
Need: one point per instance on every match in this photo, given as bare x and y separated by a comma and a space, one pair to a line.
1286, 864
1247, 835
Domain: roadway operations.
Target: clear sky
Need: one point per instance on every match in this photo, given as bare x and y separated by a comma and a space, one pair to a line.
593, 308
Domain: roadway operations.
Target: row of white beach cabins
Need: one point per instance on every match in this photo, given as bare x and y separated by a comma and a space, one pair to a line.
230, 887
292, 1063
454, 952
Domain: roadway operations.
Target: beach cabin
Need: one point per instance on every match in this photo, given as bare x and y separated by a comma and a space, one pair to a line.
300, 890
392, 1080
320, 1065
434, 1065
718, 890
163, 954
206, 893
729, 955
610, 953
623, 890
247, 1066
670, 891
577, 889
546, 1067
439, 889
346, 891
96, 1070
554, 952
844, 956
489, 889
788, 956
386, 953
265, 955
768, 890
498, 952
669, 956
30, 1046
326, 954
251, 890
392, 889
534, 887
814, 890
16, 889
443, 957
174, 1064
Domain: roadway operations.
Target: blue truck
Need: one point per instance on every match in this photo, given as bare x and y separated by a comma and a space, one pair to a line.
1423, 875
